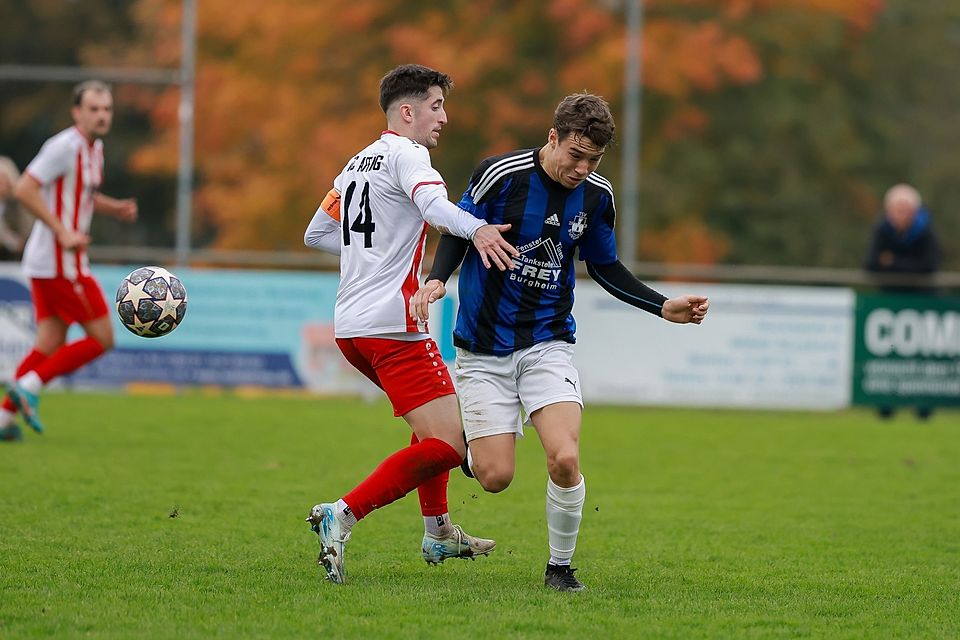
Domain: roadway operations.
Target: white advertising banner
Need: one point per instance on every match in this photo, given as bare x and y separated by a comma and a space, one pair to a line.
759, 347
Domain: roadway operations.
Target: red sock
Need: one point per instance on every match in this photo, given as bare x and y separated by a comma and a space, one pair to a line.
29, 363
433, 491
69, 358
400, 474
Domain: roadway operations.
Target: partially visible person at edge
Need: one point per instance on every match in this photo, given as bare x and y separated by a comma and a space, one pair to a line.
375, 218
515, 329
903, 243
60, 187
11, 237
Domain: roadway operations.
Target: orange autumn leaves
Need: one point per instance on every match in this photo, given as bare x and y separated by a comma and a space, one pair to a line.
287, 90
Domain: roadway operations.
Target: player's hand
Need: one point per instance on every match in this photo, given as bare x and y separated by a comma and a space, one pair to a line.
684, 309
493, 248
70, 239
127, 210
431, 291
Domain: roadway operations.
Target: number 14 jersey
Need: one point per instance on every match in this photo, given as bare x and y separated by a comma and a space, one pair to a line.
383, 234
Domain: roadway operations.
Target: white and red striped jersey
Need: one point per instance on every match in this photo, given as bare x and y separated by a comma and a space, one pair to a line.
69, 169
383, 233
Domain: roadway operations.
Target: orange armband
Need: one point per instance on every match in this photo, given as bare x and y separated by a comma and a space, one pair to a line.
331, 204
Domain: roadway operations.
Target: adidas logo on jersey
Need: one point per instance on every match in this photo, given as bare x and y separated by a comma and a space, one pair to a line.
554, 220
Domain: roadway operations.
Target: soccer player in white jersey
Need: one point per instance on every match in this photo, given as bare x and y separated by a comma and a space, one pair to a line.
515, 330
61, 188
375, 218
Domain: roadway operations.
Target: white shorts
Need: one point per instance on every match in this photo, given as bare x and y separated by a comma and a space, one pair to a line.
497, 393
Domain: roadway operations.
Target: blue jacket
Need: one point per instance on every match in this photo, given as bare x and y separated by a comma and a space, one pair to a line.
914, 251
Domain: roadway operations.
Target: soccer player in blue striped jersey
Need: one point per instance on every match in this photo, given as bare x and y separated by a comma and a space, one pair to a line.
515, 328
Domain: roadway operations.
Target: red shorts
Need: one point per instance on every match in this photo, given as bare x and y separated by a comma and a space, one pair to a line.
79, 300
411, 373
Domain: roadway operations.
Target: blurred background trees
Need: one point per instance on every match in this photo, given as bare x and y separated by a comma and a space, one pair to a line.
771, 128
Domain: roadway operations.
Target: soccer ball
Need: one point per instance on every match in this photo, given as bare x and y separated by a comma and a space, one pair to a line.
151, 302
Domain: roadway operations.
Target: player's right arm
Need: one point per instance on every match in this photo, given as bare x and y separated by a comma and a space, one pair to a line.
52, 162
450, 219
28, 193
323, 232
428, 192
450, 253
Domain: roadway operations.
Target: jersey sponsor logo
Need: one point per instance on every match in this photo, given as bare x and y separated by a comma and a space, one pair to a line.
553, 220
539, 264
578, 225
544, 253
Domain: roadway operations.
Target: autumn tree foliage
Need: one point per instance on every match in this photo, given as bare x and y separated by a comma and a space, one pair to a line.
287, 91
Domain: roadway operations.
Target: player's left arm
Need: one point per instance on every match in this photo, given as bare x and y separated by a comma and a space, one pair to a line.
617, 280
323, 232
123, 209
598, 248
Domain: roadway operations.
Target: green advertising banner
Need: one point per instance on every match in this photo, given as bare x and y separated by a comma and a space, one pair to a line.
907, 350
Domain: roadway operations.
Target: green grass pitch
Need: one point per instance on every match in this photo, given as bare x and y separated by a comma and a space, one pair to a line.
140, 516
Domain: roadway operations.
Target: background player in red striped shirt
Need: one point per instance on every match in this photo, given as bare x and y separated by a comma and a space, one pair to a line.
60, 187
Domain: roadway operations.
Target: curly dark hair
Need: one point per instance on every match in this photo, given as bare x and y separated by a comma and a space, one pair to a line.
584, 115
411, 81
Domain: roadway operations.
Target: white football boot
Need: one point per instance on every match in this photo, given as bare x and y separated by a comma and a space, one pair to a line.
325, 524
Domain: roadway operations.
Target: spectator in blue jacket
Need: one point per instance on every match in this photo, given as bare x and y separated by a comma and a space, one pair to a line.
904, 243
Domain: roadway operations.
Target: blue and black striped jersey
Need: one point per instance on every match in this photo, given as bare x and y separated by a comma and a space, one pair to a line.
504, 311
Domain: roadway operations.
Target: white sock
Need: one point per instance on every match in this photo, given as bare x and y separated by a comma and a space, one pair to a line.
31, 382
437, 525
6, 418
344, 515
564, 512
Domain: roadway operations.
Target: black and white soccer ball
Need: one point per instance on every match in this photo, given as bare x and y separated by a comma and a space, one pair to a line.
151, 302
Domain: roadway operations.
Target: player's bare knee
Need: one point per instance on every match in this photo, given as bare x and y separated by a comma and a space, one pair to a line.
564, 467
492, 479
494, 484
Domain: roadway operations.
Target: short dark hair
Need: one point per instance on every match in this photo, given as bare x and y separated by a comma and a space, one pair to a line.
88, 85
411, 81
584, 115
